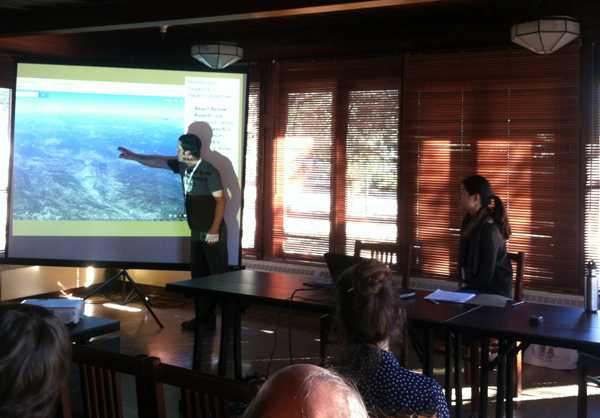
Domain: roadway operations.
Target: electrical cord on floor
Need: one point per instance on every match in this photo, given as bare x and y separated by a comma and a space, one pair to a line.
290, 312
274, 347
278, 326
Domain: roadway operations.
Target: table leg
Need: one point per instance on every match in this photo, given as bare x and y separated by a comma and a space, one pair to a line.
483, 396
197, 354
415, 339
237, 339
511, 358
582, 390
428, 354
448, 368
226, 327
458, 357
501, 378
324, 330
474, 376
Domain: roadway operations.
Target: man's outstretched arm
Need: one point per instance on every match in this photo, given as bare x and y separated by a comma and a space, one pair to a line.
156, 161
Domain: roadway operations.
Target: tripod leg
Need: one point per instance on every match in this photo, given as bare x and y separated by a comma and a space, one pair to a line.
129, 297
142, 296
104, 285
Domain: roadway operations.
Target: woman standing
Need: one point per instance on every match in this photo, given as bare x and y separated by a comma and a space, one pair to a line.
483, 262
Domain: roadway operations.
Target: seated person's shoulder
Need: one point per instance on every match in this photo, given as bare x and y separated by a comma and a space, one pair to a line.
490, 228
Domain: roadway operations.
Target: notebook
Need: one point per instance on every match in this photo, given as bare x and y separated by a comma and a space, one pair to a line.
449, 296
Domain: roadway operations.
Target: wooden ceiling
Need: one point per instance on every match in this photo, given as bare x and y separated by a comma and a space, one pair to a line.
130, 29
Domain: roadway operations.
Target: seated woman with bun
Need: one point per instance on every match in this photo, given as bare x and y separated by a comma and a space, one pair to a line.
370, 319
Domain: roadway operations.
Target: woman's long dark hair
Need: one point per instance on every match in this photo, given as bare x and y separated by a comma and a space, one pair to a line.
480, 185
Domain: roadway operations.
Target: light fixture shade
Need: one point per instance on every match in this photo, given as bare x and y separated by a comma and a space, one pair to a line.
217, 55
545, 35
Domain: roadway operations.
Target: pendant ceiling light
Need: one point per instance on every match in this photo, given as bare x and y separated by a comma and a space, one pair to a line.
217, 55
545, 35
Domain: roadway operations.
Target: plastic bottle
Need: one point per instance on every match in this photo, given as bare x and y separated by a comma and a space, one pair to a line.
590, 293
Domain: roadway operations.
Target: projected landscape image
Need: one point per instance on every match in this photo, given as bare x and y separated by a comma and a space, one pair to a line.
66, 164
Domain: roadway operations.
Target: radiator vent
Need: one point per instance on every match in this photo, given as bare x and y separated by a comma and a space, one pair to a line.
419, 283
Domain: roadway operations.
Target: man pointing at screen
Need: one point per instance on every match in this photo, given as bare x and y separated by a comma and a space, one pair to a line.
204, 207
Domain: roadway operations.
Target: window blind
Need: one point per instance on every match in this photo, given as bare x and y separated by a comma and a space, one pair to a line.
371, 160
335, 157
250, 186
512, 117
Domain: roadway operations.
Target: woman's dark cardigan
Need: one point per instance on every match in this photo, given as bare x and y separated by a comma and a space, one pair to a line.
483, 263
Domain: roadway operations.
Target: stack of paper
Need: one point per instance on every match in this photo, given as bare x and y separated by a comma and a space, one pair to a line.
448, 296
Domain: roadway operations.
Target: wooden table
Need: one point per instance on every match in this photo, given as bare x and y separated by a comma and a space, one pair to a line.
92, 326
561, 327
238, 288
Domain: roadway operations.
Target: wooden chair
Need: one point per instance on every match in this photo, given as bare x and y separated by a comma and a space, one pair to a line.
518, 263
388, 253
202, 395
100, 373
64, 409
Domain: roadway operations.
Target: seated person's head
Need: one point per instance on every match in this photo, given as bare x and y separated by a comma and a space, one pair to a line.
367, 304
306, 391
35, 358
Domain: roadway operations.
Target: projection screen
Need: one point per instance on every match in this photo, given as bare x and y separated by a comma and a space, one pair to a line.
72, 199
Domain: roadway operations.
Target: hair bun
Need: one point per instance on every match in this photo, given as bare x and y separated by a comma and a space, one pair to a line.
375, 273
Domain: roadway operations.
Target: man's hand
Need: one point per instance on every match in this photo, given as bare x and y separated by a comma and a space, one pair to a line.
127, 154
212, 238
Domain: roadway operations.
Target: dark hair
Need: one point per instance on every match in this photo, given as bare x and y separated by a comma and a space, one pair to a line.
367, 307
191, 143
480, 185
35, 359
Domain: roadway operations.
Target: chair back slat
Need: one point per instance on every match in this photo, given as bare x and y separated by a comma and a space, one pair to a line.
102, 392
202, 405
203, 395
518, 260
387, 253
64, 404
101, 372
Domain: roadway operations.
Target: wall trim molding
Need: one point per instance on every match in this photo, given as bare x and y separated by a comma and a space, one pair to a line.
419, 283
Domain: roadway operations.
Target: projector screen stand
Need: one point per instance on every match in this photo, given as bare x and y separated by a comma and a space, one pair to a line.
124, 277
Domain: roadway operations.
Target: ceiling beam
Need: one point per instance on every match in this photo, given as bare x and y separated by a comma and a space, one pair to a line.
242, 16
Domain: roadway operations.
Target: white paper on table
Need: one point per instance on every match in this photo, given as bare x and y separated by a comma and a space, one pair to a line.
448, 296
